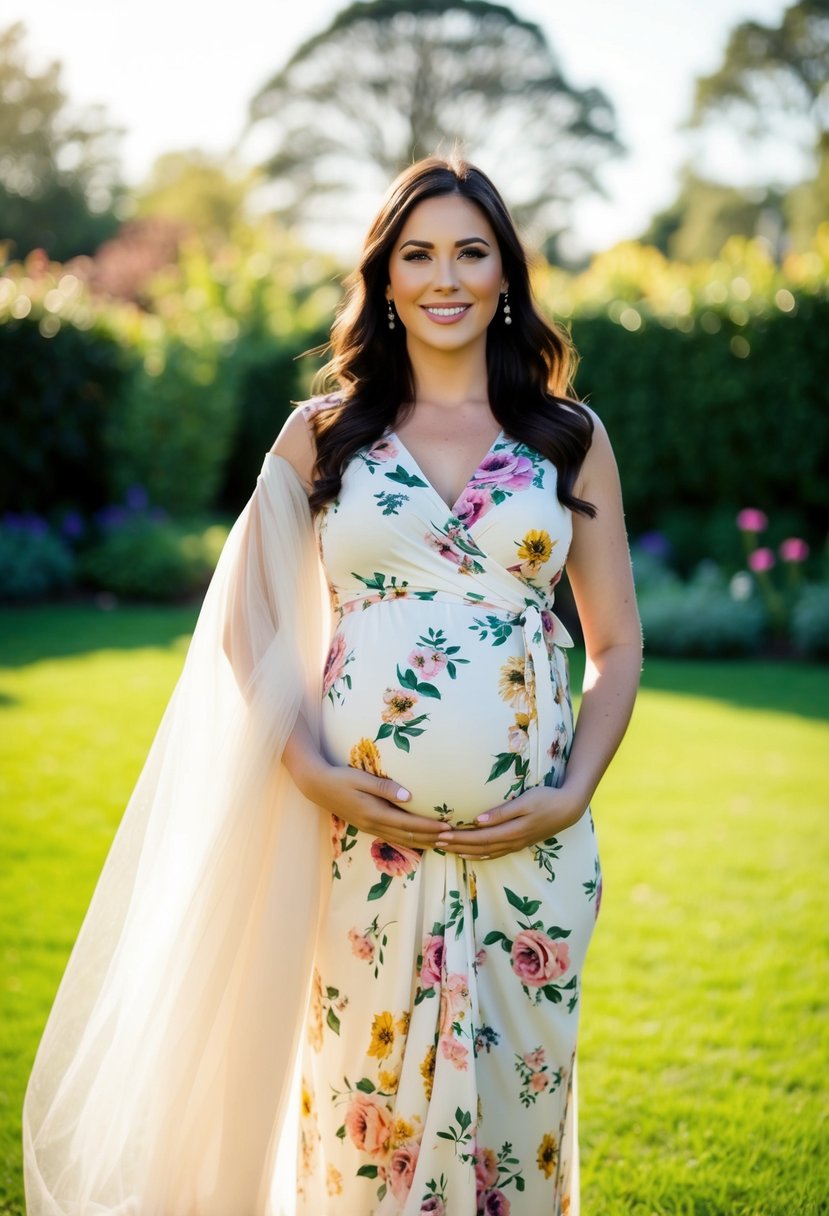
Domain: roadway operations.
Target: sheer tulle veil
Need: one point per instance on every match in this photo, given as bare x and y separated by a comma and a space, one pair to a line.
162, 1078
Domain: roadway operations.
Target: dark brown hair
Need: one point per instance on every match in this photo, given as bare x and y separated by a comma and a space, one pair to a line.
529, 363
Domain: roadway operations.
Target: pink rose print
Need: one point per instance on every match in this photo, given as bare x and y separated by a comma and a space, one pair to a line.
338, 830
430, 970
536, 959
495, 1204
334, 663
427, 663
433, 1206
444, 547
486, 1169
535, 1059
394, 859
368, 1124
402, 1168
454, 998
455, 1053
472, 504
361, 947
504, 469
539, 1081
383, 450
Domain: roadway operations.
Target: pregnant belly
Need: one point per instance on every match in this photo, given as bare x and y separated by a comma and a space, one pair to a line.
412, 693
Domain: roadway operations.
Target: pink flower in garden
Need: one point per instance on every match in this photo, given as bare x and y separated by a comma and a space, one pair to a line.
752, 520
334, 663
402, 1168
394, 859
535, 1059
472, 504
427, 663
368, 1124
432, 961
486, 1169
537, 959
504, 469
361, 946
760, 560
384, 449
455, 1053
793, 549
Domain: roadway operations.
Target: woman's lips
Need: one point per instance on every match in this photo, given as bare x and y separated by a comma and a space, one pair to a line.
446, 314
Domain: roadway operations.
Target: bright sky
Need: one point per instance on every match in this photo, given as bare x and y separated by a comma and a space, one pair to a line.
179, 75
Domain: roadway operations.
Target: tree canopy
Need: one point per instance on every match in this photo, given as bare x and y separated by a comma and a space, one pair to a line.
781, 69
58, 171
389, 81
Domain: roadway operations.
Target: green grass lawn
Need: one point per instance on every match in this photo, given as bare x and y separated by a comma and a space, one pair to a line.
703, 1054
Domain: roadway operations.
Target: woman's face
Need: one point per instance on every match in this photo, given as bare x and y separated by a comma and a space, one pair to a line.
445, 274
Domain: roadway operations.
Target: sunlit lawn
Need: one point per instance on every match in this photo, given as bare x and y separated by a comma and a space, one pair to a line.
704, 1061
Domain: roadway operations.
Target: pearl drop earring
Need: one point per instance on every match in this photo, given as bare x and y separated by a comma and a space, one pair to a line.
390, 315
507, 317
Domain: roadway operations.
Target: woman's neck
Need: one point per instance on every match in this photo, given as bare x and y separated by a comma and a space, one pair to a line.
449, 379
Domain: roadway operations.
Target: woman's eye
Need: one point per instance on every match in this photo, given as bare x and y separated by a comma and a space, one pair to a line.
473, 252
417, 255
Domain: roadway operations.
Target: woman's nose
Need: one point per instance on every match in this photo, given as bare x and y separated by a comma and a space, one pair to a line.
446, 274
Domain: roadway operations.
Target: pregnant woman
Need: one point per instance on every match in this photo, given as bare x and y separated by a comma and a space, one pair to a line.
426, 1004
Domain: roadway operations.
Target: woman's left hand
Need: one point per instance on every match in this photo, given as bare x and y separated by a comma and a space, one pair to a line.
533, 816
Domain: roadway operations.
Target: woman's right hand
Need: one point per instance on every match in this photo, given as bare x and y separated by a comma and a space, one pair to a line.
372, 804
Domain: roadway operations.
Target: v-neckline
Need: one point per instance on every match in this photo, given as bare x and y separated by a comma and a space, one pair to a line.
431, 485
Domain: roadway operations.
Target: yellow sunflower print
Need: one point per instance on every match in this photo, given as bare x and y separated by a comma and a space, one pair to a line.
382, 1035
536, 547
547, 1154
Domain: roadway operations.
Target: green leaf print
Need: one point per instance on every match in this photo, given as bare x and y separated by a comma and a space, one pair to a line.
527, 907
391, 503
501, 630
380, 888
332, 1020
403, 478
408, 679
459, 1135
504, 761
365, 1086
367, 1171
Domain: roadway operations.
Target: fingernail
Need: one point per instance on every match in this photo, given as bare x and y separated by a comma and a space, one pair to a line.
482, 819
403, 795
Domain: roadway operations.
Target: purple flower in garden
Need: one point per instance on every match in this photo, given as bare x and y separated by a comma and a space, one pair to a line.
793, 549
33, 524
752, 520
137, 498
655, 544
761, 560
111, 516
72, 525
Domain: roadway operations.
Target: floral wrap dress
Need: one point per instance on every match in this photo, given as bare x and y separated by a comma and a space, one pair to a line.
438, 1069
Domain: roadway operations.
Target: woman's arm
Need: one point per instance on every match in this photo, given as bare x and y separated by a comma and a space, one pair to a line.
600, 574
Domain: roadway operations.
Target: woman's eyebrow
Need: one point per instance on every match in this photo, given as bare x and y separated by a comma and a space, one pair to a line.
467, 240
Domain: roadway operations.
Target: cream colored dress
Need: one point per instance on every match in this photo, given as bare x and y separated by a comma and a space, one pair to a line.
439, 1060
